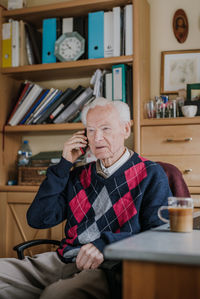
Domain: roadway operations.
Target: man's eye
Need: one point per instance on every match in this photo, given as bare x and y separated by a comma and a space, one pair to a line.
106, 129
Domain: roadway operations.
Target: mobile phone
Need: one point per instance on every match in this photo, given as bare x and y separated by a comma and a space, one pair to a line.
83, 149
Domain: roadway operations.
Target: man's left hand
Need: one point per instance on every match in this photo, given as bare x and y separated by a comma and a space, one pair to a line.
89, 257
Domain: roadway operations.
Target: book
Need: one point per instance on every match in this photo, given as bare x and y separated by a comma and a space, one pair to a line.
116, 31
43, 104
15, 42
74, 106
23, 59
122, 23
128, 10
108, 85
26, 104
67, 101
108, 34
46, 114
29, 49
27, 87
129, 88
53, 99
76, 116
31, 117
67, 25
34, 106
80, 25
7, 45
35, 39
45, 158
96, 34
119, 82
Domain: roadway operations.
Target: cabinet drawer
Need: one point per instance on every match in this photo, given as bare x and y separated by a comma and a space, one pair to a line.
170, 140
188, 165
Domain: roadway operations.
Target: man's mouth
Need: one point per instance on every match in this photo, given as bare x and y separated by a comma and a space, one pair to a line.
100, 147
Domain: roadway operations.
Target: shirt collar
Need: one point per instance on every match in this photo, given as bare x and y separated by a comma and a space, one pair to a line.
110, 170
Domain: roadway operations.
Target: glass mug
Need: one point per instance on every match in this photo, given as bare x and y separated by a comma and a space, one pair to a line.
180, 214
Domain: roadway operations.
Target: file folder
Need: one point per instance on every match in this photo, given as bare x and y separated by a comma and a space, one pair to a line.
49, 37
96, 34
15, 43
119, 82
7, 45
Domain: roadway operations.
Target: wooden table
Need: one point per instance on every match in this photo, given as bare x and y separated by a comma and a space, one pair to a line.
159, 264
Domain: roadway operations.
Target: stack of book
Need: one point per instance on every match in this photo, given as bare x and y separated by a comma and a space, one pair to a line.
37, 105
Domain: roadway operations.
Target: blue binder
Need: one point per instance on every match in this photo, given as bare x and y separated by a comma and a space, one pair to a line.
49, 37
96, 34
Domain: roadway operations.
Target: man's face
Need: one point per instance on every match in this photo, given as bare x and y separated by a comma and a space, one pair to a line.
106, 133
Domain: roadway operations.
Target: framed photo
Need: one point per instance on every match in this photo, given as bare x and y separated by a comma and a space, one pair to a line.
179, 68
193, 92
193, 95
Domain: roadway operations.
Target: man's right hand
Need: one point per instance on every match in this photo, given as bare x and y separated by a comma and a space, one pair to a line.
71, 149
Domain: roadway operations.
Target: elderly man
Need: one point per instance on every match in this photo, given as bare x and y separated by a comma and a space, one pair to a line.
103, 202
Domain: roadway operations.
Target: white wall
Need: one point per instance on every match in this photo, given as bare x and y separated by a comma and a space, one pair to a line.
162, 36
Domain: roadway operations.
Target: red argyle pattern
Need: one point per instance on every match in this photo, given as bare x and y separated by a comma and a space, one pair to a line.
135, 175
85, 177
80, 205
72, 234
125, 209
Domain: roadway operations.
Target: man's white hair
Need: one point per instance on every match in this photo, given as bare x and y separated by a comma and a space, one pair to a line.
122, 108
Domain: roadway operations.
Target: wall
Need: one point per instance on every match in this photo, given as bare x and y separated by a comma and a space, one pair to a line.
162, 36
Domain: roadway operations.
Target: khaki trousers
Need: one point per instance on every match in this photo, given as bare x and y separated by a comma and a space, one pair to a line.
46, 276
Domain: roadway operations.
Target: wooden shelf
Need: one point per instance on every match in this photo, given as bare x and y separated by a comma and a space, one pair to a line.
63, 70
63, 9
17, 188
171, 121
44, 128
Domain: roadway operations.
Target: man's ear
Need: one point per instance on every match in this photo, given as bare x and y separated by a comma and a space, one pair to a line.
127, 130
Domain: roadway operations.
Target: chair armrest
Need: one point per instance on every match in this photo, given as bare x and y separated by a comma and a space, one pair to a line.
22, 246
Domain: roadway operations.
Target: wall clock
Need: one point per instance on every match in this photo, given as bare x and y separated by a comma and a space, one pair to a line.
69, 46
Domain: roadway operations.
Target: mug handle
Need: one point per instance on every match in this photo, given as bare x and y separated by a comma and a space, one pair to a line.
160, 216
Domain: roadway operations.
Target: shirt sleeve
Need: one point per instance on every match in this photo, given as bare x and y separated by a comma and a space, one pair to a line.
49, 207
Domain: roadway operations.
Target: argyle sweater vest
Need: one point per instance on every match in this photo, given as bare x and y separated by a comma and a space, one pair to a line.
99, 210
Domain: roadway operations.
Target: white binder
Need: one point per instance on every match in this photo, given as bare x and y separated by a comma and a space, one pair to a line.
15, 43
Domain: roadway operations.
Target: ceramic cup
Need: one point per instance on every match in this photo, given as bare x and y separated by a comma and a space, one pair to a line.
189, 110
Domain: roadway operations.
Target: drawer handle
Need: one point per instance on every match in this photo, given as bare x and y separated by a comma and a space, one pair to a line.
187, 170
179, 140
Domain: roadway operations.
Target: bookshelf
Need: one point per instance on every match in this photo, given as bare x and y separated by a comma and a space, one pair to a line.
12, 197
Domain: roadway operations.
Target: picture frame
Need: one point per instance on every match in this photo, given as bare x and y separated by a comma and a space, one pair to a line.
193, 95
193, 92
179, 68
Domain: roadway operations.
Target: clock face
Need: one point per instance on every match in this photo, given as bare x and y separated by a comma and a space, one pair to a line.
69, 46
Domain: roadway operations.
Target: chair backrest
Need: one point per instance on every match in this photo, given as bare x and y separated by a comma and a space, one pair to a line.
176, 181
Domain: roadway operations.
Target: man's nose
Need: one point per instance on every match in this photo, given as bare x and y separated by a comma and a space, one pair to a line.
98, 135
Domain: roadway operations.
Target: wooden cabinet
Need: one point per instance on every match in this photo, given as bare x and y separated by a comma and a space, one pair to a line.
177, 143
170, 140
15, 200
14, 228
